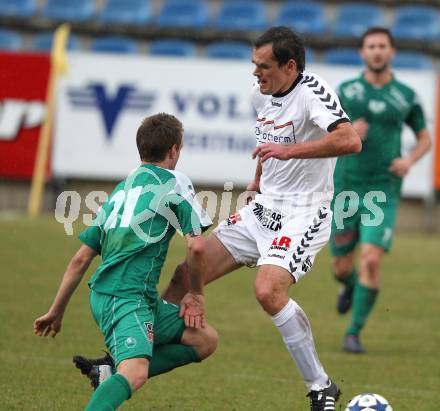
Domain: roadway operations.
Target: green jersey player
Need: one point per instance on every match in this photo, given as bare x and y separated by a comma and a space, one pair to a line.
146, 335
367, 184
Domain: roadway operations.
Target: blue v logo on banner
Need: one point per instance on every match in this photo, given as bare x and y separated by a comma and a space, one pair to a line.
95, 95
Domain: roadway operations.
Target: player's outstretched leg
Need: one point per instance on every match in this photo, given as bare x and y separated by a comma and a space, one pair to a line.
220, 261
271, 288
195, 346
179, 284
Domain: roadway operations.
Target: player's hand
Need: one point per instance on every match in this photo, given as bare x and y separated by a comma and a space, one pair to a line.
252, 188
400, 166
48, 324
361, 127
192, 309
269, 150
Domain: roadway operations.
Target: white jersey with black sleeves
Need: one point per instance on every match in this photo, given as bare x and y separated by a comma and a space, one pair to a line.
306, 112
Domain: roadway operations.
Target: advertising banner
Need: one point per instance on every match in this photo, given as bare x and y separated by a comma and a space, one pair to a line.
103, 99
23, 86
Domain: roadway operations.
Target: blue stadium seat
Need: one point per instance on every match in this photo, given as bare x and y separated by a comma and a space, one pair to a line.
44, 41
178, 13
303, 17
17, 8
229, 50
416, 22
172, 47
354, 19
242, 15
126, 12
69, 10
344, 56
114, 44
407, 60
310, 56
10, 40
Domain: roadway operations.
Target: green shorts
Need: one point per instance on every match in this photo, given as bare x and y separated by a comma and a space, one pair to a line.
132, 328
364, 216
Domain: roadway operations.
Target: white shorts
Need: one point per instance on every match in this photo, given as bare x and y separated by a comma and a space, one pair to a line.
257, 235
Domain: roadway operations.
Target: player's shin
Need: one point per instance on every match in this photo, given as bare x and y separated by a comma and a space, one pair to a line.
110, 394
295, 328
364, 299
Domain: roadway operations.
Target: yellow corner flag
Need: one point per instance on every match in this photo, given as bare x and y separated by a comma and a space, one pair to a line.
58, 66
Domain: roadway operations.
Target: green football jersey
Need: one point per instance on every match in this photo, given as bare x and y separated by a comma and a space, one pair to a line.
386, 109
133, 229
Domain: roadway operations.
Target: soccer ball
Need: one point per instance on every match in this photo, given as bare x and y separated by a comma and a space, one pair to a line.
368, 402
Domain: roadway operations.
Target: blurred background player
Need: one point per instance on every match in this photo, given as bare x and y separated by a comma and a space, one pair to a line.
145, 335
379, 105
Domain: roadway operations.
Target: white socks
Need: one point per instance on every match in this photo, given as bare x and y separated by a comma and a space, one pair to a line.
297, 335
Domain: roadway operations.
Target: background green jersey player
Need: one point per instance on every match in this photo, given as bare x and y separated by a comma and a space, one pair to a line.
145, 335
379, 105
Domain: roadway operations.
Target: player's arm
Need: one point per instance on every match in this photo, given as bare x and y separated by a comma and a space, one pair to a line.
192, 306
50, 323
254, 185
400, 166
341, 140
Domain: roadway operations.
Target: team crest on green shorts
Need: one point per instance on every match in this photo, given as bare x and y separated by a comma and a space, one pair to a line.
150, 332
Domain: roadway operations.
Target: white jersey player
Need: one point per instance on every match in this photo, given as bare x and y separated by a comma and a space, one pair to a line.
299, 130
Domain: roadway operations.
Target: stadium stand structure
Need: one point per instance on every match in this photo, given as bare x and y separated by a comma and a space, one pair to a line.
62, 10
242, 15
176, 13
44, 41
136, 12
173, 47
229, 50
325, 25
417, 22
354, 19
10, 40
345, 56
408, 60
18, 8
113, 44
304, 17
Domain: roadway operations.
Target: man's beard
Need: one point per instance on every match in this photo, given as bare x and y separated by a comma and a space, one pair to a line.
378, 70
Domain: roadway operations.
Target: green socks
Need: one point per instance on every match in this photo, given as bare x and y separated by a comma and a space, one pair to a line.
363, 301
167, 357
349, 281
110, 394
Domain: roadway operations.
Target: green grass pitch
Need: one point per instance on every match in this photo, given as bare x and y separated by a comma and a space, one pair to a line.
251, 370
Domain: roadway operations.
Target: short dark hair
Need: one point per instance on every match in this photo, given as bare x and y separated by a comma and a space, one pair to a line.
377, 30
286, 45
156, 135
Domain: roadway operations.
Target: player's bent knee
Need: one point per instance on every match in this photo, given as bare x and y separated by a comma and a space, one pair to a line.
139, 379
263, 294
197, 246
371, 263
342, 267
269, 298
210, 342
135, 370
204, 340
